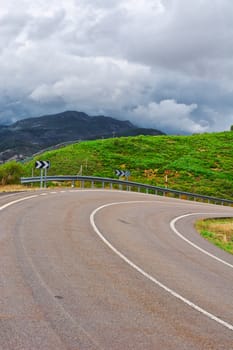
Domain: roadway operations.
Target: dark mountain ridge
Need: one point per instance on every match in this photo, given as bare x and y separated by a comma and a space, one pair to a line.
28, 136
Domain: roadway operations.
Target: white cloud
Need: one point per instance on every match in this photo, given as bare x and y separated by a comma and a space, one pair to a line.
102, 82
168, 114
119, 56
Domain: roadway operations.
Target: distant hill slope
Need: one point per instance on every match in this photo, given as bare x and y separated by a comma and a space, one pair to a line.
198, 163
28, 136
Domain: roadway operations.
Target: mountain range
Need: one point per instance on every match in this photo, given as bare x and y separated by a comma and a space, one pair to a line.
29, 136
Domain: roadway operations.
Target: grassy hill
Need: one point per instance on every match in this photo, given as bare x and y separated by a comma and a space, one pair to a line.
200, 163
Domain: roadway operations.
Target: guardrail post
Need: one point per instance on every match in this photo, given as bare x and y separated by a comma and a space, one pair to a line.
92, 184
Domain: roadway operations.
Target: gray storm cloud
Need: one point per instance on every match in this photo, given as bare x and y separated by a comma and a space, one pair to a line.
162, 64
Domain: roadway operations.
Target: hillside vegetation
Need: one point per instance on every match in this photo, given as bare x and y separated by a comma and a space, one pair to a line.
218, 231
200, 163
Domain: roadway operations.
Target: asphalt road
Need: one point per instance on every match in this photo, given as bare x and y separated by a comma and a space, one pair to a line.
111, 270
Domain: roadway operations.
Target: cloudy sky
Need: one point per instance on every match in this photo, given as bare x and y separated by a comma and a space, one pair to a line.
166, 64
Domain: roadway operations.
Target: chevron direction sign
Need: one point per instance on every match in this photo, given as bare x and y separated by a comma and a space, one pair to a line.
42, 164
122, 173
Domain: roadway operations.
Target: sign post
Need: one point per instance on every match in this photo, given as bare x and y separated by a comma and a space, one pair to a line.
41, 178
42, 164
45, 176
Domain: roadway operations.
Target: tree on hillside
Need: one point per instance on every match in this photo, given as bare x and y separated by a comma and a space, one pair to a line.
10, 173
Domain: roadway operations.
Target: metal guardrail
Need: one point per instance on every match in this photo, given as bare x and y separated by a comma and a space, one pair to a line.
126, 185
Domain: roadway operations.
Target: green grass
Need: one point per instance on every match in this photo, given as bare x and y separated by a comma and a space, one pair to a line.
218, 232
199, 163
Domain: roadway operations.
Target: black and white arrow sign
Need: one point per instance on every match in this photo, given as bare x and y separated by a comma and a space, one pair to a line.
122, 173
42, 164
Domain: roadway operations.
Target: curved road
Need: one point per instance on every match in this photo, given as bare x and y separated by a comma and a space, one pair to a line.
99, 269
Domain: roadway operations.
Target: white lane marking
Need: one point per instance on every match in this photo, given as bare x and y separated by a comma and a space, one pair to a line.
78, 190
4, 196
43, 194
145, 274
17, 201
42, 282
172, 225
